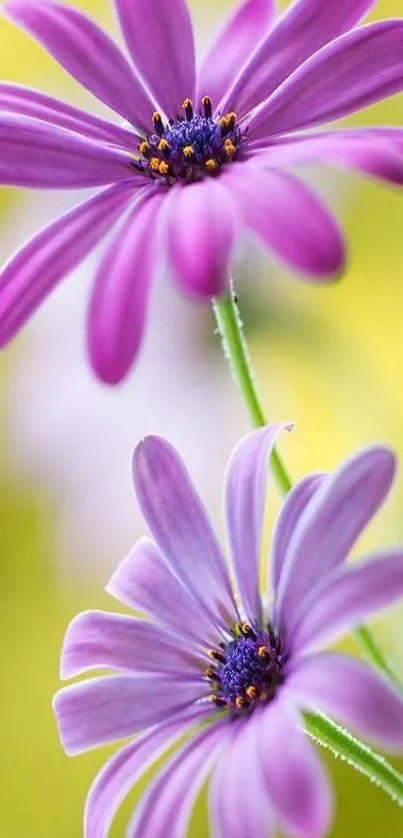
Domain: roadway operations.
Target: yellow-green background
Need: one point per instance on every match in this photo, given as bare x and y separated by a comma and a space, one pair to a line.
330, 359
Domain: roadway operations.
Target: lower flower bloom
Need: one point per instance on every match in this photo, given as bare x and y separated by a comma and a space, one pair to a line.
230, 674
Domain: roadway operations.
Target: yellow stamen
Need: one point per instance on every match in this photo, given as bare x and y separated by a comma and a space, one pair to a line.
262, 652
216, 656
188, 151
158, 124
188, 108
163, 168
232, 117
223, 122
240, 702
208, 106
155, 164
229, 149
252, 692
163, 144
144, 147
210, 165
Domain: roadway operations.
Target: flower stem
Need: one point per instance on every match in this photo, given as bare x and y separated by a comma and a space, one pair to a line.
230, 329
342, 744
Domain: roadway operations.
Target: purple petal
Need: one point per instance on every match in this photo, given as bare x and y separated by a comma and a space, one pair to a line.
34, 271
239, 803
345, 598
294, 505
144, 582
200, 249
160, 40
27, 102
331, 524
125, 768
102, 710
349, 74
179, 523
88, 54
245, 501
98, 640
293, 772
290, 220
36, 154
233, 46
119, 303
166, 807
352, 693
306, 26
377, 152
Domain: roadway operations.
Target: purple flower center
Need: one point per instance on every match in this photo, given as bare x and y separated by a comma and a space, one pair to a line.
190, 147
248, 669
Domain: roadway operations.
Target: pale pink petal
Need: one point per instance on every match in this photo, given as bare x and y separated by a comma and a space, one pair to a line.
120, 299
351, 692
102, 710
87, 53
144, 582
179, 523
34, 271
160, 40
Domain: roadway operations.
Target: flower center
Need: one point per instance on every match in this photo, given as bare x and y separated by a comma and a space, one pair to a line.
247, 670
189, 147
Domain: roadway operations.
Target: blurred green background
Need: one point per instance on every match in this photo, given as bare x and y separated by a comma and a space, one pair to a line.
329, 359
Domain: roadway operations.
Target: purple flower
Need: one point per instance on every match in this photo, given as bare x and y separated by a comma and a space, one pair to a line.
202, 153
235, 672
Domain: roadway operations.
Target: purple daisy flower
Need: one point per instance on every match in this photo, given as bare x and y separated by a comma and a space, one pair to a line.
235, 672
203, 152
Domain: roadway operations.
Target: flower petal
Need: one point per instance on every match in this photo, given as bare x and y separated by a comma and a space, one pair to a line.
36, 154
102, 710
87, 53
33, 272
125, 768
179, 523
143, 581
345, 598
166, 807
28, 102
293, 772
239, 804
349, 74
294, 505
119, 303
353, 693
331, 524
160, 40
98, 640
229, 51
202, 226
245, 500
374, 151
304, 28
289, 219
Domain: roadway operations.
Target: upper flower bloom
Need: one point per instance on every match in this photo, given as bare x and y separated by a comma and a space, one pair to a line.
236, 671
202, 152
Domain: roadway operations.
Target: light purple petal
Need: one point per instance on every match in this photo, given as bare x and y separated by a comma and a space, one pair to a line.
346, 597
305, 27
293, 772
331, 524
239, 803
26, 101
119, 303
179, 523
351, 692
33, 272
245, 500
36, 154
87, 53
98, 640
160, 40
167, 805
102, 710
125, 768
144, 582
349, 74
376, 152
229, 51
294, 505
289, 219
202, 227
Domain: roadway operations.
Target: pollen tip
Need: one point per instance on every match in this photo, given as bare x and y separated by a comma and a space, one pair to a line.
163, 144
155, 164
143, 147
188, 108
252, 692
188, 151
263, 652
158, 125
241, 703
211, 165
208, 106
163, 168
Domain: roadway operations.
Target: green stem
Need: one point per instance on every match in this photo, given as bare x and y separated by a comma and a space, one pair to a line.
329, 735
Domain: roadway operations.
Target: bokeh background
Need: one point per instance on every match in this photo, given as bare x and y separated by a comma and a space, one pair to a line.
330, 359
